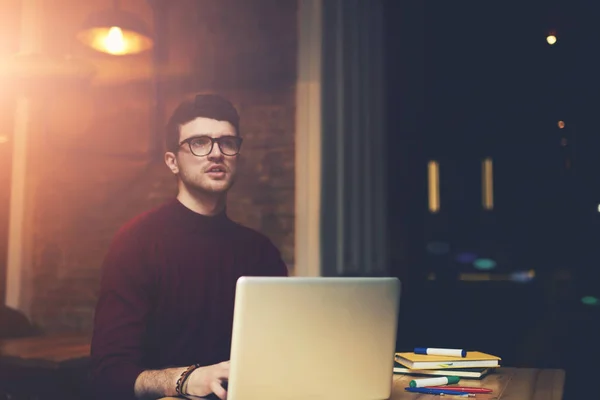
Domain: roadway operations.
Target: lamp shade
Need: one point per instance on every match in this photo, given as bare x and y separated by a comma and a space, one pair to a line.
115, 32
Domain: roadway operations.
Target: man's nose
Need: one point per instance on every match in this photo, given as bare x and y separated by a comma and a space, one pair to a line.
215, 153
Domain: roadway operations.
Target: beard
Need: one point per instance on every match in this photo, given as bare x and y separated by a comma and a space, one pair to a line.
202, 183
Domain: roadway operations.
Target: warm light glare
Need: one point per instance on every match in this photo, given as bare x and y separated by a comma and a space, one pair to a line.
551, 39
3, 139
433, 175
114, 41
487, 184
561, 124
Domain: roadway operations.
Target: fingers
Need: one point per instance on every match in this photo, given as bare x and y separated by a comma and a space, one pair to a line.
223, 370
218, 390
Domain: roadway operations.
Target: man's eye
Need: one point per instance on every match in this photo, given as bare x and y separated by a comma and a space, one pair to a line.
228, 142
200, 142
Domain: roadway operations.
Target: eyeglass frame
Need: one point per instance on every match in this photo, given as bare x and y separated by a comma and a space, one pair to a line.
212, 144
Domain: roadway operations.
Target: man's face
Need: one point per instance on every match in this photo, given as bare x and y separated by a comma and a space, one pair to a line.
211, 173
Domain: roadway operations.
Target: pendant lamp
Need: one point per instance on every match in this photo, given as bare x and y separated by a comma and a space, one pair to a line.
116, 32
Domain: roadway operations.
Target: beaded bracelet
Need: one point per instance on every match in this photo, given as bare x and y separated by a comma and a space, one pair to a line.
183, 377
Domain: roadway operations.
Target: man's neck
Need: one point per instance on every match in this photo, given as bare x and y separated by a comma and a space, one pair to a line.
208, 204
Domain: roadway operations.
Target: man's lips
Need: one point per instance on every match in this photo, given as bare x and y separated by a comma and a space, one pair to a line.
216, 169
216, 172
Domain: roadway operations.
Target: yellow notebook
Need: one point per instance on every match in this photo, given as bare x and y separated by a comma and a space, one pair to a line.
474, 359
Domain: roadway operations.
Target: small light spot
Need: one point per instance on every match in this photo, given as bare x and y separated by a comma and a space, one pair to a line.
551, 39
561, 124
466, 258
484, 264
522, 276
590, 300
3, 139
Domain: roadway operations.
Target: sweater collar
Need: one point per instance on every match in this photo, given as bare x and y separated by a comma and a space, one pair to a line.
198, 222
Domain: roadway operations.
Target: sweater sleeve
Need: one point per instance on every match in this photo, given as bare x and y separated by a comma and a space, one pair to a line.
120, 319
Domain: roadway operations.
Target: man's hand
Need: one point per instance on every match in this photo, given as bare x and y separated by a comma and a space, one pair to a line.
206, 380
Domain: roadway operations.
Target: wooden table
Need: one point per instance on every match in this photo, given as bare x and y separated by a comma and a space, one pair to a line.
58, 364
506, 383
48, 352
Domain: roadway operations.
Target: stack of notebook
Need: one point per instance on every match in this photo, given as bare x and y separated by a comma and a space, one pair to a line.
473, 365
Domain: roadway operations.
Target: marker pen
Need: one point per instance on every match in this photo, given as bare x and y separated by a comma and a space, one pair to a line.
442, 380
439, 392
463, 389
441, 352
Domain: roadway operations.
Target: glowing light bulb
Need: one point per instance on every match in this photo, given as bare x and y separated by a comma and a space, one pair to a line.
561, 124
551, 39
114, 41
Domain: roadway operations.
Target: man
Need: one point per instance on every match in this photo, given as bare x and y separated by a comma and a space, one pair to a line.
164, 316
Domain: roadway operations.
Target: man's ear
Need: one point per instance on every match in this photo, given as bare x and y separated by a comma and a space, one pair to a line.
171, 161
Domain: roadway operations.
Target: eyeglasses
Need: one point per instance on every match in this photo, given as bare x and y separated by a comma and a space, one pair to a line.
203, 145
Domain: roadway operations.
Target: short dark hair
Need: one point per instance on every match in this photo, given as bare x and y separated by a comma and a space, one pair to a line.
210, 106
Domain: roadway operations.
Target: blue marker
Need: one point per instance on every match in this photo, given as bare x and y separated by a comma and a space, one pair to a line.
438, 391
441, 352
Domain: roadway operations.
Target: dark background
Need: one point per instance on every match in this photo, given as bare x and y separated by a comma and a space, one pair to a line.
469, 80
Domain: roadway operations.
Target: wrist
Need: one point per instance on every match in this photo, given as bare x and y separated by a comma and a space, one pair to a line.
185, 387
194, 384
183, 377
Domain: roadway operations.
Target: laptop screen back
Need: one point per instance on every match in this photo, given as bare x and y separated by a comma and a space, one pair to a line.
313, 338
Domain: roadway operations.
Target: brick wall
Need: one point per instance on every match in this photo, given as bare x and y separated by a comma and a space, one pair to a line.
263, 197
92, 174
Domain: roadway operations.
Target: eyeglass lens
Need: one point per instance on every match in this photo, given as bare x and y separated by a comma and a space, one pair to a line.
201, 146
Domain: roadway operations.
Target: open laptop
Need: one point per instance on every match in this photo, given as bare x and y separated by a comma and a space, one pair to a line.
313, 338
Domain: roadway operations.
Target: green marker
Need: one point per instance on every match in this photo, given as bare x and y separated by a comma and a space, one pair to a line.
444, 380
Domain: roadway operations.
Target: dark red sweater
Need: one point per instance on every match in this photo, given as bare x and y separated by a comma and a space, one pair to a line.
167, 293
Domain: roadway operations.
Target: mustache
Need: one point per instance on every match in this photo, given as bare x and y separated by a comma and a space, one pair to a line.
222, 167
